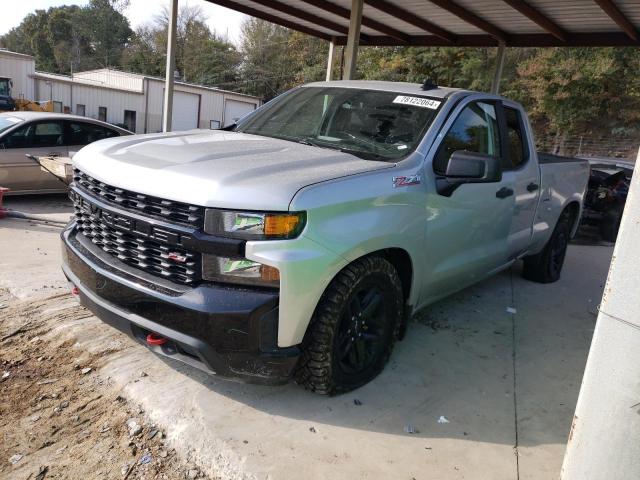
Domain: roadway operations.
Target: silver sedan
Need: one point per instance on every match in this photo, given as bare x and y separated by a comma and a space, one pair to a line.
42, 134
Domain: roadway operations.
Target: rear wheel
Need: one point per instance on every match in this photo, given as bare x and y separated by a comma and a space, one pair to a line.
545, 267
353, 329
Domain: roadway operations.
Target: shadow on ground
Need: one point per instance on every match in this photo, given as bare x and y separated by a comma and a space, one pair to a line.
457, 362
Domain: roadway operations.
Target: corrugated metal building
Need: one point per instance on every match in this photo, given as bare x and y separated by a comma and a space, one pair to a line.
128, 99
20, 69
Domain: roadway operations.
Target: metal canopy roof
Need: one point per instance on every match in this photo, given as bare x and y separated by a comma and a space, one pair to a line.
476, 23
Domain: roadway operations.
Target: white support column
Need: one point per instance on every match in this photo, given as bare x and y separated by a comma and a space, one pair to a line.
171, 66
495, 85
605, 435
332, 50
353, 40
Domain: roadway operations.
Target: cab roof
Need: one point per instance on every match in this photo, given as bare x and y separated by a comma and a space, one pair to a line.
395, 87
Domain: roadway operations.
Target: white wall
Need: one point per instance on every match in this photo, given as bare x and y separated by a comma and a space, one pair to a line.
116, 101
112, 78
19, 68
211, 103
86, 91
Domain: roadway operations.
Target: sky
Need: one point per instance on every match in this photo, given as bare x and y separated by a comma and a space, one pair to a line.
220, 19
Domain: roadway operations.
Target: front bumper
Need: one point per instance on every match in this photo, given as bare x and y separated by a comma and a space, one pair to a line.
229, 331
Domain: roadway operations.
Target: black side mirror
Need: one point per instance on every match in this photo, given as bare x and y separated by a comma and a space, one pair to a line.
468, 167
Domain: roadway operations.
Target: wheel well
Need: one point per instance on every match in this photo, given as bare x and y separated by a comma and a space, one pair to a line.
571, 211
401, 261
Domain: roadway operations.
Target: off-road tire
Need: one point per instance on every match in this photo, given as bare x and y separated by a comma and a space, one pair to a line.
546, 266
319, 369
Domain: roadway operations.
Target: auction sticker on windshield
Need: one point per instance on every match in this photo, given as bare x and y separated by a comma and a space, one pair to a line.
417, 101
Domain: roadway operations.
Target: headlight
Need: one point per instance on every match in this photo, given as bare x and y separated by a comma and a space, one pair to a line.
238, 270
253, 225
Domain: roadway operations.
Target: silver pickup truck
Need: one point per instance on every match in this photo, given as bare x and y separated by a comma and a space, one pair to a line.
299, 242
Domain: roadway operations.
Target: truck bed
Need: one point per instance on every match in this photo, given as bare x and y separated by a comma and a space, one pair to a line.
562, 179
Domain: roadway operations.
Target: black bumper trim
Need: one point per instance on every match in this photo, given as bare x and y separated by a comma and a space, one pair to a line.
219, 330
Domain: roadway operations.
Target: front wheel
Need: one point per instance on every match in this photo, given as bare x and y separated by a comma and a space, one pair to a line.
545, 267
353, 329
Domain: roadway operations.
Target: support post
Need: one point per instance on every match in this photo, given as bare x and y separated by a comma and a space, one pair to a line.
332, 50
171, 66
495, 85
353, 40
605, 434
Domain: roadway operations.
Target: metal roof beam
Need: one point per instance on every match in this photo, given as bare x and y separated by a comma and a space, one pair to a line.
535, 16
253, 12
597, 39
368, 22
617, 16
303, 15
412, 19
472, 19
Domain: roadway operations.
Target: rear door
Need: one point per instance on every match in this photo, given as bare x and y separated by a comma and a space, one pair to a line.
520, 169
42, 138
467, 232
81, 133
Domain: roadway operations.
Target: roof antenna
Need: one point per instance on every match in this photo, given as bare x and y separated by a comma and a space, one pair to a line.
429, 85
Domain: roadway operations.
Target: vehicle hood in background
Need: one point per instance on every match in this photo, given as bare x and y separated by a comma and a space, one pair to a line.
216, 168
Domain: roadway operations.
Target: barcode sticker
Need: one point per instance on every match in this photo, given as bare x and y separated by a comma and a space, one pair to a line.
417, 101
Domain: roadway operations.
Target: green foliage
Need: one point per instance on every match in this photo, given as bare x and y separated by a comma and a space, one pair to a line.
201, 55
72, 38
591, 94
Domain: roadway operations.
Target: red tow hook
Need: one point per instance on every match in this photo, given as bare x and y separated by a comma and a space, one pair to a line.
153, 339
75, 291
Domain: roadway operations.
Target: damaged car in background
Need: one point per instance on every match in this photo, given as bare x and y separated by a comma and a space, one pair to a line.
606, 196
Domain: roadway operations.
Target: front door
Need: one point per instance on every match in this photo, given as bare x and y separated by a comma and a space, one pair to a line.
524, 175
22, 174
467, 232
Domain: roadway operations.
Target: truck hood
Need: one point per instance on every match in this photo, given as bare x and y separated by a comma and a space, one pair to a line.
216, 168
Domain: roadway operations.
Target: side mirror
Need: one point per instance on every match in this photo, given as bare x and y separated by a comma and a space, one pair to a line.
468, 167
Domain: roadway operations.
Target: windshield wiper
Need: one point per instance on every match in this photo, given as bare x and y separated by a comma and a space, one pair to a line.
364, 154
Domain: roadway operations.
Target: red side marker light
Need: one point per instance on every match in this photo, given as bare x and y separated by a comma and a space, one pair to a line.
153, 339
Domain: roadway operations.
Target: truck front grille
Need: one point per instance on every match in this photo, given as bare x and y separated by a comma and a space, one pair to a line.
169, 261
167, 210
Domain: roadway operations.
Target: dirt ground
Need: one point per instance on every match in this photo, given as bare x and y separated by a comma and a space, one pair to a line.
59, 418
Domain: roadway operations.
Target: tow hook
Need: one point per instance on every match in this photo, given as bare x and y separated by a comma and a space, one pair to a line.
153, 339
75, 291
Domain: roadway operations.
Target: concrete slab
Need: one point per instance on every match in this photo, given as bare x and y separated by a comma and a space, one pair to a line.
458, 361
30, 251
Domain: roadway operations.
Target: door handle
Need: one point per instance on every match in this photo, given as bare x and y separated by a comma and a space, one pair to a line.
504, 192
532, 187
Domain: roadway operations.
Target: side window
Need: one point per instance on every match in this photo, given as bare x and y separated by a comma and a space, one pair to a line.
517, 146
36, 135
475, 130
17, 139
81, 133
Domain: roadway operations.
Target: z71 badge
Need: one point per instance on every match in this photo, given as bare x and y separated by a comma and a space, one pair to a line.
406, 181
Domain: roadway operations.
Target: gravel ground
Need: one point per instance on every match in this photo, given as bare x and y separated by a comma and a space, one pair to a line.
59, 418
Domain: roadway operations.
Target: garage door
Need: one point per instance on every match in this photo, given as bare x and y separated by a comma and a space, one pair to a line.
235, 109
185, 111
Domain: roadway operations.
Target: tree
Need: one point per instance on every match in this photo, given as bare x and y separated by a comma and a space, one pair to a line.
69, 38
201, 55
593, 92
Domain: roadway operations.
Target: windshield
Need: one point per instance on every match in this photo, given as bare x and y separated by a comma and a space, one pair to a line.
6, 122
370, 124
